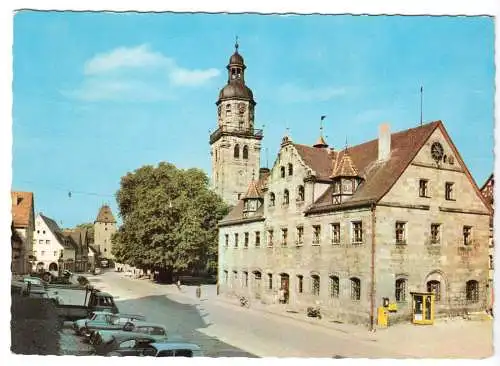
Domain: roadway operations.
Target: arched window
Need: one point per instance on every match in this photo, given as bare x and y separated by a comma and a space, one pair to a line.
272, 199
286, 197
400, 293
435, 287
300, 193
282, 172
290, 169
355, 288
315, 285
334, 286
236, 151
472, 291
245, 152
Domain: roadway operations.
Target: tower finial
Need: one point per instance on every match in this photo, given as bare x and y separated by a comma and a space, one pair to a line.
236, 45
321, 126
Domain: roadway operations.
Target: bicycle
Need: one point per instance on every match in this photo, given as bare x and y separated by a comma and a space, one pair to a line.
244, 302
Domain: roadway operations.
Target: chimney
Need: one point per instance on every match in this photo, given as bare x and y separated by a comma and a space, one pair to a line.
384, 142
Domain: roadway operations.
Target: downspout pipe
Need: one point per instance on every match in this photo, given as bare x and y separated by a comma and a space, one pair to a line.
372, 271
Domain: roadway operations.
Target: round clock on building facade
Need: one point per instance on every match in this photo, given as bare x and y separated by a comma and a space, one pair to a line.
437, 151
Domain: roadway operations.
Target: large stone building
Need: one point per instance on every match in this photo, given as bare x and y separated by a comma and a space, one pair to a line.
235, 144
343, 229
104, 228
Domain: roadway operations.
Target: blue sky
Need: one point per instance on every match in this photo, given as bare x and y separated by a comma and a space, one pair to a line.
97, 95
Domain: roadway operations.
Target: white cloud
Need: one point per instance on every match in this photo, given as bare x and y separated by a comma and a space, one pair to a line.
136, 74
295, 93
123, 57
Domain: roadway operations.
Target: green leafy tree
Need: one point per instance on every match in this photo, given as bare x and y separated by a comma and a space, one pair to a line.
169, 220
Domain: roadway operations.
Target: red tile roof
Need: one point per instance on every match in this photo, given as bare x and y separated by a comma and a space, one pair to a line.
379, 177
22, 208
317, 158
105, 215
344, 166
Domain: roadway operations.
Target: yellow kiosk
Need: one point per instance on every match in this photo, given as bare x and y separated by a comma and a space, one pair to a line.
423, 307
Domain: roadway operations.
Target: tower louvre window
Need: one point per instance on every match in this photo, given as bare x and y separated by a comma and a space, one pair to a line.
245, 152
236, 151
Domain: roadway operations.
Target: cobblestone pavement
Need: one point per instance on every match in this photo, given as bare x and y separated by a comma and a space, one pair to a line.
266, 334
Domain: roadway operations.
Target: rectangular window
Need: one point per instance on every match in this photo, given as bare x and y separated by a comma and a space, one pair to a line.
227, 240
40, 242
435, 233
55, 253
467, 235
245, 279
247, 238
236, 240
422, 188
300, 235
334, 286
270, 234
284, 237
300, 284
449, 193
472, 291
357, 232
400, 290
43, 253
47, 241
257, 239
316, 234
400, 232
355, 289
315, 285
235, 275
270, 281
335, 233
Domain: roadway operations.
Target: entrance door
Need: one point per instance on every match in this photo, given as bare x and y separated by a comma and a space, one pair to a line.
423, 308
257, 284
285, 285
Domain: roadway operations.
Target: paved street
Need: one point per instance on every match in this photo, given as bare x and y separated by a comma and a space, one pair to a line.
223, 329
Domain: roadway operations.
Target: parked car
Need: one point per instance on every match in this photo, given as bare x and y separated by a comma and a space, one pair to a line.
109, 322
79, 325
106, 343
157, 331
170, 349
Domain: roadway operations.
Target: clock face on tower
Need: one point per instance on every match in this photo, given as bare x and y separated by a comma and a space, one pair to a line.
437, 151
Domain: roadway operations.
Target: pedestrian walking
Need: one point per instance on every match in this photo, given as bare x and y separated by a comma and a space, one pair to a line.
282, 296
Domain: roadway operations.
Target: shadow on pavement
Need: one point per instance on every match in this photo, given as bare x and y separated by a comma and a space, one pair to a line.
181, 320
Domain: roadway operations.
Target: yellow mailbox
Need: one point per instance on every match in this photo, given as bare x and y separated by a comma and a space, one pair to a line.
382, 317
423, 308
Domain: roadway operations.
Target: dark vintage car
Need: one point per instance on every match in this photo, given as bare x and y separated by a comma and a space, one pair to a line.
107, 342
167, 349
157, 331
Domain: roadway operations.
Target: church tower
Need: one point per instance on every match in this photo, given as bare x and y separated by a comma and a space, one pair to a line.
235, 144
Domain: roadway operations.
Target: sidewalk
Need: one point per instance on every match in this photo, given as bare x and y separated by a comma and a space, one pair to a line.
447, 338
